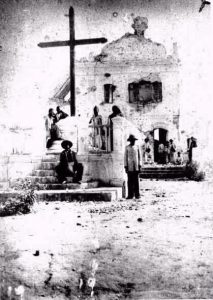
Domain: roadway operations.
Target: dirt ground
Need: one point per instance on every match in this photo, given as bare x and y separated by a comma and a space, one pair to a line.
158, 247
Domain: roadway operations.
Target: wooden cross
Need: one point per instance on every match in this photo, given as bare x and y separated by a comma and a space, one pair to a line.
72, 42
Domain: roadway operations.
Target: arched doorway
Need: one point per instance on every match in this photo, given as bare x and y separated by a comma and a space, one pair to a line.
160, 137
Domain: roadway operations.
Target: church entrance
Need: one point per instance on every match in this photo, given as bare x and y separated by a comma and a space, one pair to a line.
160, 139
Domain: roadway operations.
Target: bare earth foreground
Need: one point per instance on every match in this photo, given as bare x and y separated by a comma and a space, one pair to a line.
158, 247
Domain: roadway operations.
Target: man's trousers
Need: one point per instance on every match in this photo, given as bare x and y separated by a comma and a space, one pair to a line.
133, 184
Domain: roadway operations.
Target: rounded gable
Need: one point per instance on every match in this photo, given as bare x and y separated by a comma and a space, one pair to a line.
133, 46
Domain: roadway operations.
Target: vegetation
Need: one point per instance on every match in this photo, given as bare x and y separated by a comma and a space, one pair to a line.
193, 172
22, 201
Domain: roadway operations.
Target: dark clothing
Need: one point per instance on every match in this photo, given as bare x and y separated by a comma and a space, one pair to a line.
191, 143
133, 184
63, 170
113, 115
55, 135
61, 115
190, 155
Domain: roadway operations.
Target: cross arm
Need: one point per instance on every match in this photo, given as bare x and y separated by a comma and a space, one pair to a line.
54, 44
76, 42
90, 41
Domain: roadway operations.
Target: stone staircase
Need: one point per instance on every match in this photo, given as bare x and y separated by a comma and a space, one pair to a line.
44, 176
162, 171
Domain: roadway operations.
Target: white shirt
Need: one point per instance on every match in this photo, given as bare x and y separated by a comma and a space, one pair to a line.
132, 158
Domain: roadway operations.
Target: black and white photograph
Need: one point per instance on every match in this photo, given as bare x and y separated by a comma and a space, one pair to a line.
106, 151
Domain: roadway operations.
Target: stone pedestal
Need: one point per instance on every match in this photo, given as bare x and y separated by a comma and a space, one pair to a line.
118, 134
69, 131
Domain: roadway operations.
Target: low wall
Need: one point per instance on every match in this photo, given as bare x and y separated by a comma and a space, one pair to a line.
107, 168
104, 167
16, 166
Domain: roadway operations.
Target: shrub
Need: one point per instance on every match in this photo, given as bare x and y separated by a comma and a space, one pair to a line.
22, 201
192, 172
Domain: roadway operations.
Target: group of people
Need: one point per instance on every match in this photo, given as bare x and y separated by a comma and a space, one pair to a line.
68, 165
52, 130
167, 153
133, 156
133, 159
99, 135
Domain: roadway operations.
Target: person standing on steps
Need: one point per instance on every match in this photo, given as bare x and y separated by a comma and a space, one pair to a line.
60, 114
132, 165
68, 166
52, 130
116, 112
97, 134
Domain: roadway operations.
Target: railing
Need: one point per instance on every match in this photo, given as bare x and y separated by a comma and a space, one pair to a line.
101, 138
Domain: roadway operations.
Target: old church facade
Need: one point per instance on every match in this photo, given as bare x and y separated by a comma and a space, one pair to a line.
135, 74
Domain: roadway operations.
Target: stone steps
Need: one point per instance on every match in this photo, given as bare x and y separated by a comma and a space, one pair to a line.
48, 165
70, 186
70, 195
46, 179
162, 176
49, 189
175, 168
50, 158
45, 176
44, 173
95, 194
162, 172
42, 179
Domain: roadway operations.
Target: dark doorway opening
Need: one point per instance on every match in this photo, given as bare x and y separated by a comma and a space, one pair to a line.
160, 137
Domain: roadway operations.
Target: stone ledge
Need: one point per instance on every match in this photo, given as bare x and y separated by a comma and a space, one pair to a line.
95, 194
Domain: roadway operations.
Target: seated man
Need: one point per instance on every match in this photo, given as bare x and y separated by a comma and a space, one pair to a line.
68, 166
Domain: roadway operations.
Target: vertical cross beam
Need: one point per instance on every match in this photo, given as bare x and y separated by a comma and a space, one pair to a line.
72, 42
72, 61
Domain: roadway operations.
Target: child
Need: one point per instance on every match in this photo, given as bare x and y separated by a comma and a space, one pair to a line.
179, 159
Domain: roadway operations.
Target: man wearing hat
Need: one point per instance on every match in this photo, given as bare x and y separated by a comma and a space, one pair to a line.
132, 165
68, 166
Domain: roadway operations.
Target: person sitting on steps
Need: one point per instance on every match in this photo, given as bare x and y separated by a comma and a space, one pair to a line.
68, 166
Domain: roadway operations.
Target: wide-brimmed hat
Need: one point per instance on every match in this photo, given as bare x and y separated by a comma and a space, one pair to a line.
66, 143
131, 138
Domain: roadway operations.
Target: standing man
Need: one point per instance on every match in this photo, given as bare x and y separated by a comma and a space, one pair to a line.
172, 150
132, 165
191, 143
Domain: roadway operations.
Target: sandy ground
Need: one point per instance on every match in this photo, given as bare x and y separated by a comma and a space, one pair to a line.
158, 247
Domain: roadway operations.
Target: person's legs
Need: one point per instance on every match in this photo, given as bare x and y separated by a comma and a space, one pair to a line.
49, 143
60, 173
190, 155
130, 183
136, 185
78, 172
